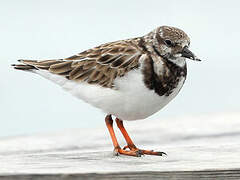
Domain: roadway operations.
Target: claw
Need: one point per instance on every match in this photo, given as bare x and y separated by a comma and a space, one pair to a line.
115, 152
163, 153
160, 153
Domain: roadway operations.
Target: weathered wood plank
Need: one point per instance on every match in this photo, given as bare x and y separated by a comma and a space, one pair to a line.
175, 175
196, 146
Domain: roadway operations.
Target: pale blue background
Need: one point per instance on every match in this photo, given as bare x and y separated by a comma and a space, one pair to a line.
60, 28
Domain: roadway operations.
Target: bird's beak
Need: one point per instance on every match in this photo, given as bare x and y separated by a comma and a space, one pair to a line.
188, 54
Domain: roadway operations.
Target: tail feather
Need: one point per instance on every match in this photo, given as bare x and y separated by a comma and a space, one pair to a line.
23, 67
34, 64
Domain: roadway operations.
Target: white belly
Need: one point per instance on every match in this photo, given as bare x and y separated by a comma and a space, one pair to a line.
131, 101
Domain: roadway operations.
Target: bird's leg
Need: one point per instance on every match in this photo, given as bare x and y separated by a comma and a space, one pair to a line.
130, 143
117, 148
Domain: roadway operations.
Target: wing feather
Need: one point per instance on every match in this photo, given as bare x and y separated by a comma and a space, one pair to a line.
100, 65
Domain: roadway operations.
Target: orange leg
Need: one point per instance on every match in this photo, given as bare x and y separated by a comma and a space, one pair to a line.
117, 148
130, 143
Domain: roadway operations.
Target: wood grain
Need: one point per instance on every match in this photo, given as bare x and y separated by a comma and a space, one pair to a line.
175, 175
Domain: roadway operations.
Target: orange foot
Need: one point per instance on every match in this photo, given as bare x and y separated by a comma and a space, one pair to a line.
142, 151
136, 153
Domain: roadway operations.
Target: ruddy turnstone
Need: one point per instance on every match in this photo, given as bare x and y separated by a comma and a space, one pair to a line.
130, 79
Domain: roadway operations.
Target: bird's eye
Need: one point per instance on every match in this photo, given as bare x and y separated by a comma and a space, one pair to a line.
168, 42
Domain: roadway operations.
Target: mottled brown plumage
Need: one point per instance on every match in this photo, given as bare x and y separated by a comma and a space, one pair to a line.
100, 65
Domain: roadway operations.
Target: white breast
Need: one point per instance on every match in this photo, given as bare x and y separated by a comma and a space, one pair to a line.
131, 101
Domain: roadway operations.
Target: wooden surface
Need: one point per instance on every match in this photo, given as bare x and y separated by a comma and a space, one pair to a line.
175, 175
197, 148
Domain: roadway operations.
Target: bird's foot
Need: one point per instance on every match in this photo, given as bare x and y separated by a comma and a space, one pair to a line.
136, 153
142, 151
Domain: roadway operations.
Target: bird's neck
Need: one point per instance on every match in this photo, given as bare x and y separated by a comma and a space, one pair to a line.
163, 75
179, 62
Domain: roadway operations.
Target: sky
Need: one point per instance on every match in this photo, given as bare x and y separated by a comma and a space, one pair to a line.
57, 29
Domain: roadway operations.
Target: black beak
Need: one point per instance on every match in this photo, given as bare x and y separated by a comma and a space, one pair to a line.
188, 54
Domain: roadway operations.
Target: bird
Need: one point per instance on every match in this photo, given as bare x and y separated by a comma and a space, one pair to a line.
129, 79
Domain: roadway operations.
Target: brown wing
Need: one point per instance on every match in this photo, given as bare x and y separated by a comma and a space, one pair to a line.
100, 65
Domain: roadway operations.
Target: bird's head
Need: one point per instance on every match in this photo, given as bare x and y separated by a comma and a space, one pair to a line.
172, 43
